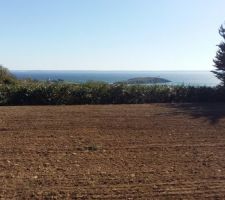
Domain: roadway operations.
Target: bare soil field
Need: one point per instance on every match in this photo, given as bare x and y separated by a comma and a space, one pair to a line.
157, 151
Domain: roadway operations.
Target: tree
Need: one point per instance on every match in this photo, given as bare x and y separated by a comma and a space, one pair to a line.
219, 61
5, 76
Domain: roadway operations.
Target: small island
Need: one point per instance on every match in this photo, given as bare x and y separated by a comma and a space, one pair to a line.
145, 80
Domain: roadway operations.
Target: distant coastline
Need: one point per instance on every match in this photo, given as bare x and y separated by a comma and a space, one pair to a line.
145, 80
195, 78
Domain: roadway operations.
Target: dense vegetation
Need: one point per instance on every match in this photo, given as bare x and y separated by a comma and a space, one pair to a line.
6, 77
57, 93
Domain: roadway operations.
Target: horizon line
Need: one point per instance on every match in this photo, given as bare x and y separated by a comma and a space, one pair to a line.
111, 70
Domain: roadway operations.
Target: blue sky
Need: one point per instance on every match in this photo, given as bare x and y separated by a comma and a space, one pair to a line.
110, 34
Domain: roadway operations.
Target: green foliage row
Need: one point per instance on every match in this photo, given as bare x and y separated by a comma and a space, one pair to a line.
59, 93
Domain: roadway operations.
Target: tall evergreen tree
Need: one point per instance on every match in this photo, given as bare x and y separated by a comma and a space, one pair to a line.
219, 61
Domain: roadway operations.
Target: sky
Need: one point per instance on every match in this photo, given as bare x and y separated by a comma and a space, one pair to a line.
110, 34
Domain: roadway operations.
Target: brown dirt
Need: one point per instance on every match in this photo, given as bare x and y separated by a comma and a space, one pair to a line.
158, 151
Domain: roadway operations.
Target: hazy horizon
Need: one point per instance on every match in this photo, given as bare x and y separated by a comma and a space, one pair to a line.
128, 35
109, 70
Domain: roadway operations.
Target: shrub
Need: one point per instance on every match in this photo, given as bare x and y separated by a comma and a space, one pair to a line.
59, 93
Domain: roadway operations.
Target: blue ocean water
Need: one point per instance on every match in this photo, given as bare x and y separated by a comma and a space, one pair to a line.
195, 78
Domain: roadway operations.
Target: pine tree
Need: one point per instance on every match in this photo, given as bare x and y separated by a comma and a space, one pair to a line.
219, 61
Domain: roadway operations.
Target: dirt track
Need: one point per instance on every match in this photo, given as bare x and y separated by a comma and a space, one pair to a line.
158, 151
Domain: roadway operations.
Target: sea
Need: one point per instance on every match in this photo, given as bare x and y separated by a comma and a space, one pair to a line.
193, 78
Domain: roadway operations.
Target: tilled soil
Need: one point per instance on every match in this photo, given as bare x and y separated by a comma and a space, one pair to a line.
157, 151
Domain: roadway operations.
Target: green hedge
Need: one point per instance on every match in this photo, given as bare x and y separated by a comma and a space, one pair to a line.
44, 93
